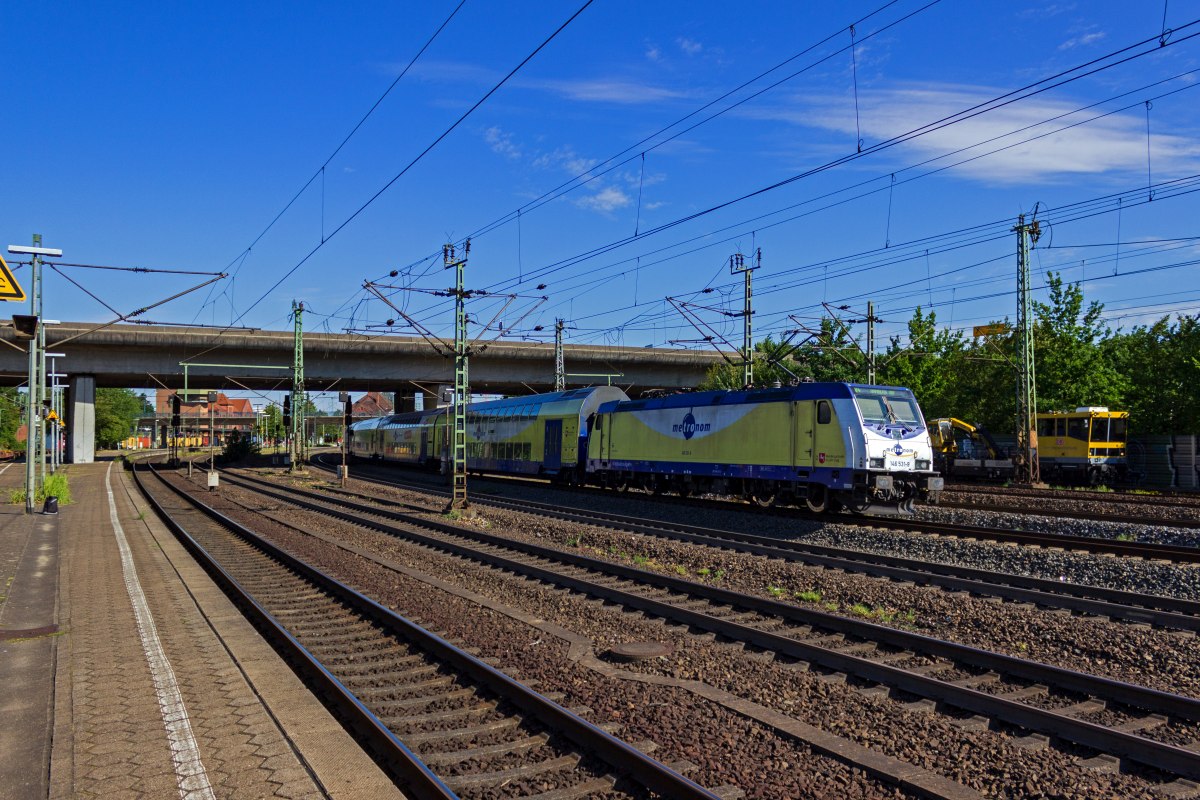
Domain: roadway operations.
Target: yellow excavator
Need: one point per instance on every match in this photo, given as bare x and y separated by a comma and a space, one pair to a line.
962, 450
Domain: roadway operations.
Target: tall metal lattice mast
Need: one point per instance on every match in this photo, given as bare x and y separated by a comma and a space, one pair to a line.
297, 431
560, 370
462, 388
1028, 470
737, 263
871, 342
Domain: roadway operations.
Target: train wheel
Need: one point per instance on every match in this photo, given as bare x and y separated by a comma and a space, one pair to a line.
817, 499
764, 498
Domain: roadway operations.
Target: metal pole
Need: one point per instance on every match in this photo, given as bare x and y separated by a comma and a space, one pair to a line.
31, 435
560, 371
297, 449
737, 263
870, 342
1027, 235
41, 451
458, 429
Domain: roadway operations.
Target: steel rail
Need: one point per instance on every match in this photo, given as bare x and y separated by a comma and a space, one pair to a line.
1160, 610
1187, 524
392, 755
625, 758
1092, 544
1146, 751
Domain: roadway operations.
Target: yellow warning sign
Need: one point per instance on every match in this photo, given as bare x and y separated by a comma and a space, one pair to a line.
991, 330
9, 288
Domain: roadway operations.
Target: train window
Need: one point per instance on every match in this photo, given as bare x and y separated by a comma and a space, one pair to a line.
824, 412
528, 451
1077, 428
1118, 429
1045, 427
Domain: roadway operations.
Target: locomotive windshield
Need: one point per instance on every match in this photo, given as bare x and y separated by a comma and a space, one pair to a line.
881, 405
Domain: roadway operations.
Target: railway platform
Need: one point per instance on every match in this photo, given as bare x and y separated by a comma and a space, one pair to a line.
128, 674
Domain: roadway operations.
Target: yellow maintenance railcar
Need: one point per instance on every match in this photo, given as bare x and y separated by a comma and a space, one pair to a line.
1087, 445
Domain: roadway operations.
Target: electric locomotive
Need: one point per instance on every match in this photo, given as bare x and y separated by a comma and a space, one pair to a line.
828, 445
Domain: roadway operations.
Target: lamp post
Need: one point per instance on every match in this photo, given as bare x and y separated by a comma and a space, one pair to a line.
212, 460
33, 330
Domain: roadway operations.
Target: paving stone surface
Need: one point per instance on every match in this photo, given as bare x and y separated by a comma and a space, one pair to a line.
111, 739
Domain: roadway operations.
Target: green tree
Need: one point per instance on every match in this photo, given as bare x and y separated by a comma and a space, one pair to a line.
772, 363
117, 411
930, 363
1158, 363
12, 416
1073, 369
832, 355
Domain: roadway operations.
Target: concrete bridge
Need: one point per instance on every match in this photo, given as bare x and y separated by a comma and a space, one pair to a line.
149, 356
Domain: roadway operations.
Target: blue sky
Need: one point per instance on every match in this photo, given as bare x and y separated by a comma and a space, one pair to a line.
171, 135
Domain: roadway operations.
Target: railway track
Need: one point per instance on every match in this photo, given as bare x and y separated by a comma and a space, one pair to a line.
444, 723
978, 687
1133, 497
1100, 507
1165, 612
1090, 544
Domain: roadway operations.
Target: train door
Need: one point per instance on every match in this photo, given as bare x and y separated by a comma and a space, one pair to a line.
802, 422
552, 457
828, 446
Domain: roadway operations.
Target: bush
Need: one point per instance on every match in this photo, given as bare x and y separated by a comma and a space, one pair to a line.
57, 486
238, 446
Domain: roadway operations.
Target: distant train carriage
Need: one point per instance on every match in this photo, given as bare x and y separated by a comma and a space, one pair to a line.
540, 434
829, 445
1087, 445
405, 438
532, 435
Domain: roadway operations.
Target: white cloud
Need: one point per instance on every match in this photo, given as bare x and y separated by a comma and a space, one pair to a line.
1051, 10
653, 53
606, 90
608, 199
689, 46
501, 142
1082, 41
1111, 144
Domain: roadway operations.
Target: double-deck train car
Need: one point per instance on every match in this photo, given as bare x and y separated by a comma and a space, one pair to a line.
829, 445
1087, 445
541, 434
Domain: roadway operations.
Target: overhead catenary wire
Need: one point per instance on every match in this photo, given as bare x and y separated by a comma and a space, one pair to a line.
406, 168
1032, 89
1044, 84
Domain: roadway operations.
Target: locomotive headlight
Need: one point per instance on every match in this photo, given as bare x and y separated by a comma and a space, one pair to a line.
876, 463
922, 463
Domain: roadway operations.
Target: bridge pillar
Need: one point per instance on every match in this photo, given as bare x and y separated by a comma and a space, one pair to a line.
81, 427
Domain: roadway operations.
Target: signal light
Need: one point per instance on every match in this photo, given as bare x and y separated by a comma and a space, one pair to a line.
175, 410
24, 325
348, 408
287, 411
